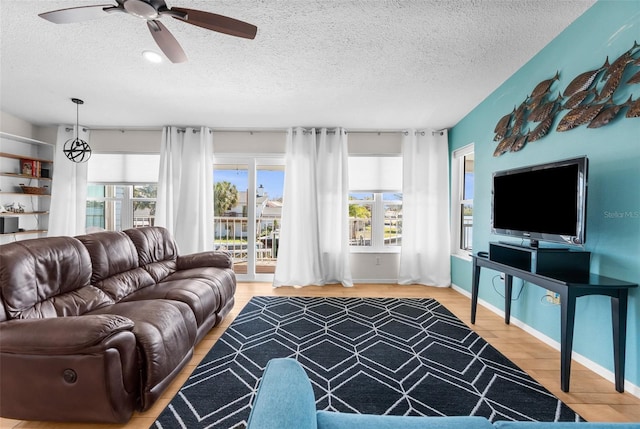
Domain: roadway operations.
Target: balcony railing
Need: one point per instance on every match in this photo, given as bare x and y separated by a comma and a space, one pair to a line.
230, 234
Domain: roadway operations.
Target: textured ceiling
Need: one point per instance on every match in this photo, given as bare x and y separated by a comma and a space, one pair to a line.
361, 64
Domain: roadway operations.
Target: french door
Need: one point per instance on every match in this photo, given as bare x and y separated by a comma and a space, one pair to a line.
248, 201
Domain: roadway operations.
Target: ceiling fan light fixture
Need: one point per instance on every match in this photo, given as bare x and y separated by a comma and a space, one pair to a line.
152, 57
152, 11
141, 9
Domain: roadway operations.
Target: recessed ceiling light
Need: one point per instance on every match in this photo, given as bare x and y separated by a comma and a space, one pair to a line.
151, 56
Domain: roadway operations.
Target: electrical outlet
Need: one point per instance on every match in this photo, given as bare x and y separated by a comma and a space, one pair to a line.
502, 277
377, 260
553, 297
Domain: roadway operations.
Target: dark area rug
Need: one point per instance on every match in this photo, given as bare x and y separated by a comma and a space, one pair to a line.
363, 355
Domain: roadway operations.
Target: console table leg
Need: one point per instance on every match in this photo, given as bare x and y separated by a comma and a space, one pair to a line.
619, 323
567, 318
474, 290
508, 289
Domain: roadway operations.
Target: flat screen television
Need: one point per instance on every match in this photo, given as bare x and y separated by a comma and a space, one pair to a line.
545, 202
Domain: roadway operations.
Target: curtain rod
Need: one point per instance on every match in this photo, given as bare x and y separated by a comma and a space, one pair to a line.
267, 130
84, 129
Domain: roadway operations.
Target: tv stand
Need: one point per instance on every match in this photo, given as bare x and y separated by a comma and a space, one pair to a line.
565, 272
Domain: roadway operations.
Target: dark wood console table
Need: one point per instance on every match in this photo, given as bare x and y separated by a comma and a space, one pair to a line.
569, 286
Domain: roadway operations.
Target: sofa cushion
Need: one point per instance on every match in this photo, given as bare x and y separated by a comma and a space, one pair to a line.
47, 277
333, 420
196, 293
221, 281
111, 253
564, 425
157, 251
115, 264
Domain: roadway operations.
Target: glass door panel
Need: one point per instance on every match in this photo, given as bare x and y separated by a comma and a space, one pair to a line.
269, 203
231, 189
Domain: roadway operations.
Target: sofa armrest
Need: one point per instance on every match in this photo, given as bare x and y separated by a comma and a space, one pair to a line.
215, 259
85, 369
284, 399
59, 335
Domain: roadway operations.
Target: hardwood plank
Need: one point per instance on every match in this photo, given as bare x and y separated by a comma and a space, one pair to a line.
592, 396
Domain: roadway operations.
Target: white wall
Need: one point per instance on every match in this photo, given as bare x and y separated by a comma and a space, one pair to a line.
16, 126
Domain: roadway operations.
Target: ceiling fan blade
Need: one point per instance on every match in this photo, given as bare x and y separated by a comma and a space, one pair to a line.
166, 42
219, 23
76, 14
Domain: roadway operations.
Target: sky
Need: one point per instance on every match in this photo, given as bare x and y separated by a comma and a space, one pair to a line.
273, 181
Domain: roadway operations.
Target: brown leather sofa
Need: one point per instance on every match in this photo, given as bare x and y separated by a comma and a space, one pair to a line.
97, 326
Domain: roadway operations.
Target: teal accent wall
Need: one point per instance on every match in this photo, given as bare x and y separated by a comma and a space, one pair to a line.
608, 28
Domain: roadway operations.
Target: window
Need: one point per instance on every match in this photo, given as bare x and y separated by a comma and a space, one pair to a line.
462, 188
119, 207
122, 191
375, 203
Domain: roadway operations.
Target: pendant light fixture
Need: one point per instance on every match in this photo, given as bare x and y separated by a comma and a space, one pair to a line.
77, 150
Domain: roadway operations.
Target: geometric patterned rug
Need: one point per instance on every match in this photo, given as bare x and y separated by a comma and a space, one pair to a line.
397, 356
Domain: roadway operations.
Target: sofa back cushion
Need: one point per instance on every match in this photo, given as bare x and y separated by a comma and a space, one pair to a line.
115, 264
157, 251
47, 277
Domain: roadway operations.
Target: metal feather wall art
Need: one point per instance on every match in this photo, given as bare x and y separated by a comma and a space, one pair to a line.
589, 99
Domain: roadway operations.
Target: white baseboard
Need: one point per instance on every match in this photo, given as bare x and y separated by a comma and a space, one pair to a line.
589, 364
375, 281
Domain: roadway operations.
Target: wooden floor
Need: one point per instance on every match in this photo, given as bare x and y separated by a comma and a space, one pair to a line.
591, 396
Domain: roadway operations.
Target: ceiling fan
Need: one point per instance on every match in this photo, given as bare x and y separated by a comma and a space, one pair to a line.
151, 11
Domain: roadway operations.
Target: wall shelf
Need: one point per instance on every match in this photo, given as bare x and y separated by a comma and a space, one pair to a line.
25, 195
25, 176
17, 155
23, 213
28, 232
14, 156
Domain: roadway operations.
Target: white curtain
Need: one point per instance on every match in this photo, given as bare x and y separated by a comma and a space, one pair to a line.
424, 255
333, 206
314, 234
169, 177
185, 187
67, 213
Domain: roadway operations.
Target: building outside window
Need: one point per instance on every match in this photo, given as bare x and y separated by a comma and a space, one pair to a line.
462, 190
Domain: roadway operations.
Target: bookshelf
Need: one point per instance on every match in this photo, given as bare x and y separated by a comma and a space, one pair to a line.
26, 169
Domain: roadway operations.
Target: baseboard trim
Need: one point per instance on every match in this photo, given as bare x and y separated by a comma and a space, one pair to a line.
589, 364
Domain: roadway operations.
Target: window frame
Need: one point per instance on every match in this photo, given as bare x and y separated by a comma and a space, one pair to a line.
377, 213
127, 217
457, 200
